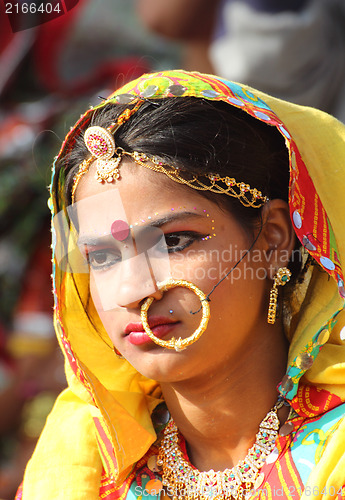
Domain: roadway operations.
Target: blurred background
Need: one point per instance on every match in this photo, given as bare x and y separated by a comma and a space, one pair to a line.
52, 67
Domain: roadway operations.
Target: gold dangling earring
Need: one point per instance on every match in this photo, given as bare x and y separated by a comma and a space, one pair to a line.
281, 277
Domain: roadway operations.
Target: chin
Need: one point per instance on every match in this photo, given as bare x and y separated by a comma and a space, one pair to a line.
165, 367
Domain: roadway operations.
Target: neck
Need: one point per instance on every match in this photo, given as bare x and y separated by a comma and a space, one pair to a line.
219, 413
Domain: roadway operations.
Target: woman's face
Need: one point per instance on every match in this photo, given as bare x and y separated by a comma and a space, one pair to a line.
203, 242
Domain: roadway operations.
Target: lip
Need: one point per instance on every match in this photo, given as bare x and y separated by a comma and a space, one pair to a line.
160, 326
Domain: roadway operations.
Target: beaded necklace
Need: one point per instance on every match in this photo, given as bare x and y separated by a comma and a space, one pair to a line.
183, 481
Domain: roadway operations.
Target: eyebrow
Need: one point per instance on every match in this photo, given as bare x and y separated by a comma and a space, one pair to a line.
173, 217
91, 240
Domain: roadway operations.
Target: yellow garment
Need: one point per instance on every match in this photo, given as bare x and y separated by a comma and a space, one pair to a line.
66, 464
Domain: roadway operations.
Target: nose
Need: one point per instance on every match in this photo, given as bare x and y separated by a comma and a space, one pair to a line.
136, 283
157, 295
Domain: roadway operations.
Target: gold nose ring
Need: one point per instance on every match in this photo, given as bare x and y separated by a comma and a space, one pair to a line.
177, 344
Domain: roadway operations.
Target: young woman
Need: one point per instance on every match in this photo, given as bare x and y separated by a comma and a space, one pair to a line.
198, 245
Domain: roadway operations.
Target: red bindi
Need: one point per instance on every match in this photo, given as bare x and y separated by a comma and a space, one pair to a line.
119, 230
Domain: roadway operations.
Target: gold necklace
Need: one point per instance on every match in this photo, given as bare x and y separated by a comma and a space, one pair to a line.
183, 481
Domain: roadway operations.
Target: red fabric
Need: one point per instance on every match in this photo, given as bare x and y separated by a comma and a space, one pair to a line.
310, 401
51, 43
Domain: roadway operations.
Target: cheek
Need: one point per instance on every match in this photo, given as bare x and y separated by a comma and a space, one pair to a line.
107, 317
110, 322
196, 267
240, 286
95, 295
206, 268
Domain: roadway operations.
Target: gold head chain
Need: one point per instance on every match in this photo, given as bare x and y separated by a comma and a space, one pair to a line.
101, 144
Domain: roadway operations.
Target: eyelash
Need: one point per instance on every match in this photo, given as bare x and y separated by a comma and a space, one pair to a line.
104, 252
191, 236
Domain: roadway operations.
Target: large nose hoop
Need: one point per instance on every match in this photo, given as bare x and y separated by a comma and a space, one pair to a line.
178, 344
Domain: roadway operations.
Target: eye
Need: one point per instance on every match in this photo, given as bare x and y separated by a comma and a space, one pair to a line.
100, 260
176, 242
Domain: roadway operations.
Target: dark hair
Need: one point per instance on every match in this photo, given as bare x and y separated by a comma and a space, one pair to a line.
199, 136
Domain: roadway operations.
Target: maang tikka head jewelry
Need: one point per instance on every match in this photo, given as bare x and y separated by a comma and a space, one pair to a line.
101, 144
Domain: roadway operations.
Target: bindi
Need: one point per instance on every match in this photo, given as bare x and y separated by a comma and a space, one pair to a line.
119, 230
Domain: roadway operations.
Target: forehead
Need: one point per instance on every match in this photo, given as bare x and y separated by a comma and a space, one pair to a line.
139, 191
